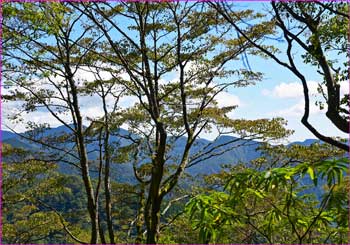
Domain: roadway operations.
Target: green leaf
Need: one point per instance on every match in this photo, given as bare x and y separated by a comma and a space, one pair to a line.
311, 172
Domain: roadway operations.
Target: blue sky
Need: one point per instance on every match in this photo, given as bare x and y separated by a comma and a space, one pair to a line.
280, 91
279, 94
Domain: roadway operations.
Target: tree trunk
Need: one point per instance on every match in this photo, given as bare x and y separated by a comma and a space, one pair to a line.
139, 218
91, 205
154, 198
155, 219
101, 232
155, 202
107, 179
79, 135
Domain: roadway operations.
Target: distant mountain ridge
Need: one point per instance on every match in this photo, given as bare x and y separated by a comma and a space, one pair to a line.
207, 166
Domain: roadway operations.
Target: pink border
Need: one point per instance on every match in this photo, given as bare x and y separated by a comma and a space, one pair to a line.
348, 50
0, 123
8, 1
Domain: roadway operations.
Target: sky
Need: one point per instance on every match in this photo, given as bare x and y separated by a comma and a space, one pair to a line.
279, 94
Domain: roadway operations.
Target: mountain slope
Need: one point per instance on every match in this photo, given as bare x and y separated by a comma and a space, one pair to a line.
224, 150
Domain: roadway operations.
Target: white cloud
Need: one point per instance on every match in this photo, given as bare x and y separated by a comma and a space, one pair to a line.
10, 109
91, 106
89, 74
128, 101
344, 87
297, 110
226, 99
290, 90
295, 90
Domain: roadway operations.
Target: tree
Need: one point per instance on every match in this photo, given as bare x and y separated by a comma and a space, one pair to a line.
174, 59
158, 40
320, 30
104, 89
45, 45
24, 220
277, 199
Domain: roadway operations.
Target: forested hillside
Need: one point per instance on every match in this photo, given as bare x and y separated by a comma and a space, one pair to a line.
140, 122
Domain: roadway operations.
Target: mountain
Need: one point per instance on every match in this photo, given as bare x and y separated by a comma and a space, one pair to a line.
306, 142
7, 135
225, 150
17, 143
229, 150
14, 140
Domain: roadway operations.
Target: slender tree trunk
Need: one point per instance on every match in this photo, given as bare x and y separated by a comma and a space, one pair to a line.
101, 231
107, 179
91, 204
154, 202
154, 212
139, 219
107, 183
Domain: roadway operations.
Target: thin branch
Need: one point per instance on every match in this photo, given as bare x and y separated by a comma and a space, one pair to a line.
62, 220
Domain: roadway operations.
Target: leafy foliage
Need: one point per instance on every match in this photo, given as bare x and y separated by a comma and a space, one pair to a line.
172, 60
276, 205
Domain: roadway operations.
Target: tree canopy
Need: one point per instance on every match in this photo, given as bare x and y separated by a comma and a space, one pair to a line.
134, 86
